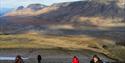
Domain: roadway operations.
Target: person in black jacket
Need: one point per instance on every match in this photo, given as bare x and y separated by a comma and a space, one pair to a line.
96, 59
19, 59
39, 58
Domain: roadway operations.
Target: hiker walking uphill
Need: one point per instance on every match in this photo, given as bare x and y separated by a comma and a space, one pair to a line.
39, 58
75, 60
96, 59
19, 59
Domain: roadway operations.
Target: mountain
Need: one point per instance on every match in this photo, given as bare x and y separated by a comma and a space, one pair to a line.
33, 7
90, 18
27, 11
79, 13
74, 14
75, 10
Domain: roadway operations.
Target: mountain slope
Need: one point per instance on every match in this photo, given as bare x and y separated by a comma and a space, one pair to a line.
84, 9
72, 12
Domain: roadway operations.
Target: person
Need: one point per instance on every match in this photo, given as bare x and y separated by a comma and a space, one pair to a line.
39, 58
96, 59
75, 60
19, 59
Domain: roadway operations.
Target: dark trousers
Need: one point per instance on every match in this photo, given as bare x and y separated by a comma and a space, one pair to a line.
39, 61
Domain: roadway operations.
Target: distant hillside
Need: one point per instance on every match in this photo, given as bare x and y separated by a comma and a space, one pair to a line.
80, 11
95, 19
120, 3
75, 10
29, 10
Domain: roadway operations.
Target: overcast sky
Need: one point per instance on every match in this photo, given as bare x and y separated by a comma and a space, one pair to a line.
16, 3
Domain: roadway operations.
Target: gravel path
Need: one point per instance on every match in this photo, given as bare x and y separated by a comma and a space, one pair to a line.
57, 59
50, 56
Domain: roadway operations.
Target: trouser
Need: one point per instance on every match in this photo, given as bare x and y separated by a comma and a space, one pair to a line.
39, 61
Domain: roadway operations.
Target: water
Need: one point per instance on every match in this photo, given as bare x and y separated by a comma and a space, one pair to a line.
10, 58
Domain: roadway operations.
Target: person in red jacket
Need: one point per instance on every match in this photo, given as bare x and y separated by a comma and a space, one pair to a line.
75, 60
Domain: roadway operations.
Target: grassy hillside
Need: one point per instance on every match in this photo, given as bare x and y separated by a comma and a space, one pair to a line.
77, 42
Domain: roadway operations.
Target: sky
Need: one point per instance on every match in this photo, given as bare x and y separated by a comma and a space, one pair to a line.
16, 3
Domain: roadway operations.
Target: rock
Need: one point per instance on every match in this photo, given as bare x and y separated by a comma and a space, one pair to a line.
36, 6
20, 8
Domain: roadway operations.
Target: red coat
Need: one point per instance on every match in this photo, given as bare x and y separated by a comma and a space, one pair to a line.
75, 60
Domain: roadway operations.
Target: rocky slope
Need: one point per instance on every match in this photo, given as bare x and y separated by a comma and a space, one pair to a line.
74, 10
36, 7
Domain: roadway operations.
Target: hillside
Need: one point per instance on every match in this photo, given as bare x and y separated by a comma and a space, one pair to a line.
76, 12
79, 16
79, 11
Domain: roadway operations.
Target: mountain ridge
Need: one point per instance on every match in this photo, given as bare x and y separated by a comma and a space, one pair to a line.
89, 12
